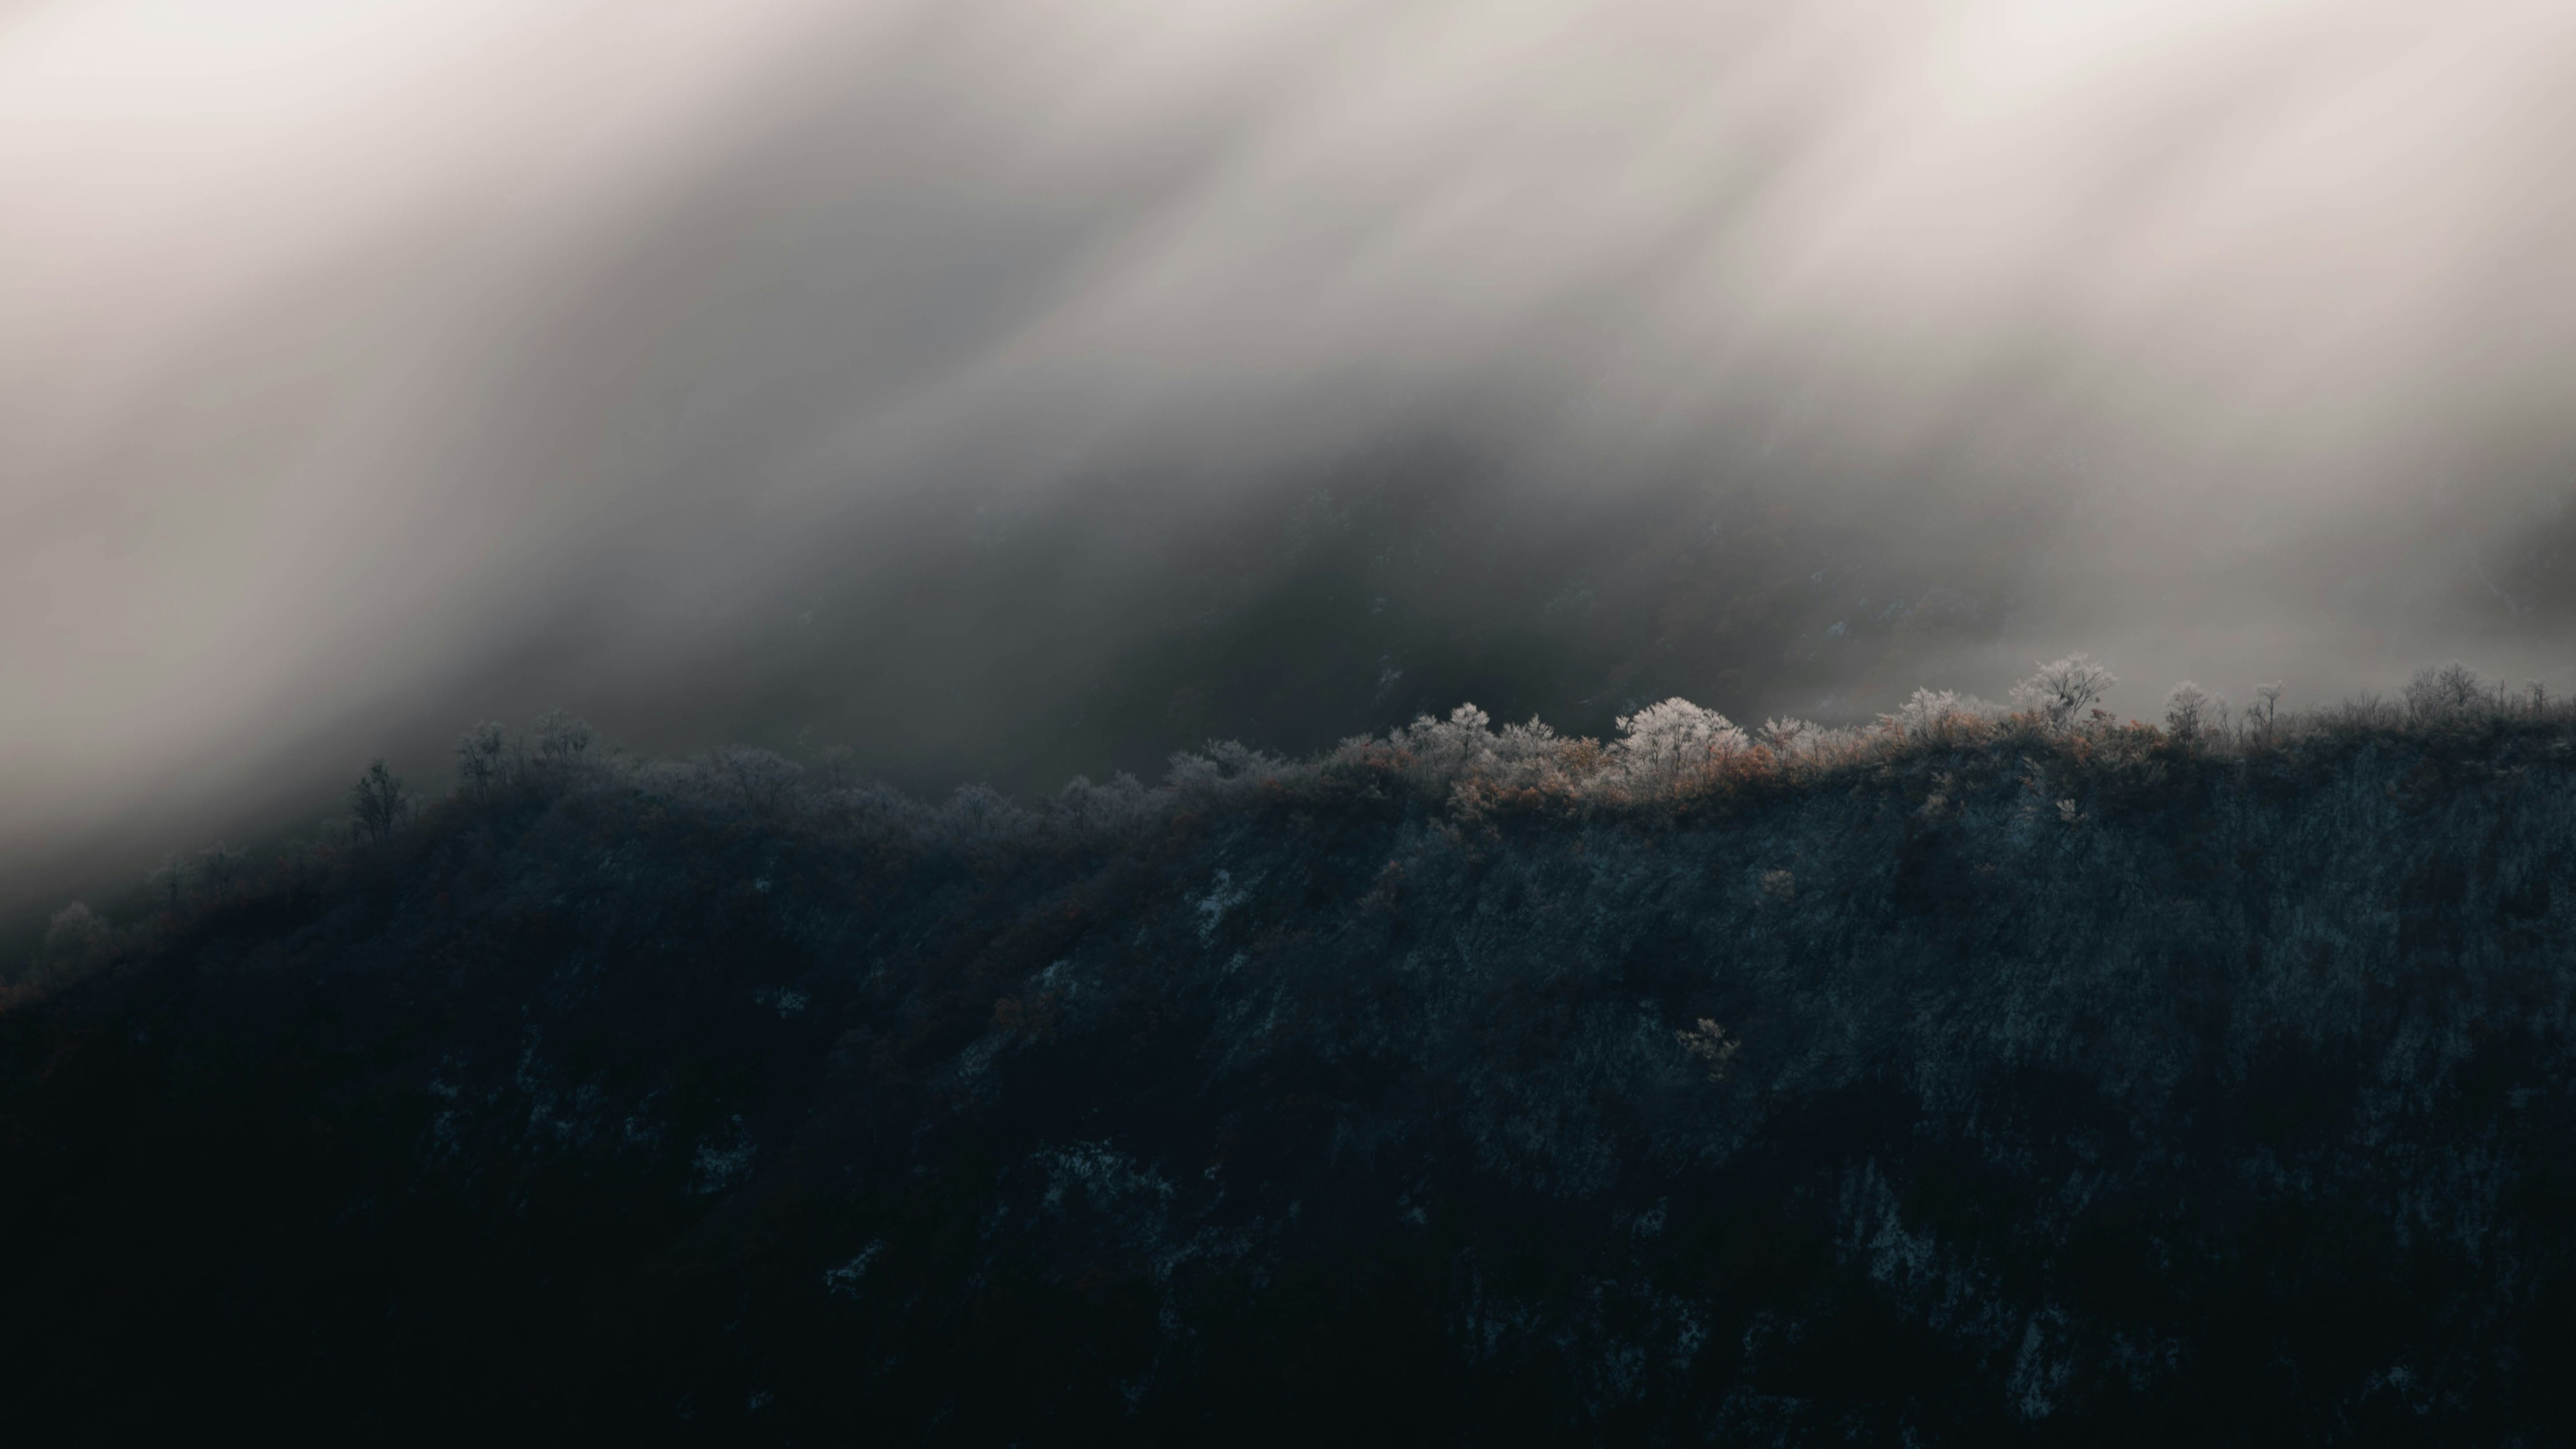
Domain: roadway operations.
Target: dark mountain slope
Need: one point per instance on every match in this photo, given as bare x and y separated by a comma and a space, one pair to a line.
1960, 1083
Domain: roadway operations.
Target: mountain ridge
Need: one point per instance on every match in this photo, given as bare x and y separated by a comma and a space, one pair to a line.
1979, 1076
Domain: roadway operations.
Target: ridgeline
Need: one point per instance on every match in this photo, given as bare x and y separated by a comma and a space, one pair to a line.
1978, 1078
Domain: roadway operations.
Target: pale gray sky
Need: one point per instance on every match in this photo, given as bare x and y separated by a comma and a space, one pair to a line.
342, 344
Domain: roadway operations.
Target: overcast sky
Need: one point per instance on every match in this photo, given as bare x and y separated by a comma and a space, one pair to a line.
347, 346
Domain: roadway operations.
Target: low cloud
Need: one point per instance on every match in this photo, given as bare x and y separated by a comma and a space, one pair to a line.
365, 369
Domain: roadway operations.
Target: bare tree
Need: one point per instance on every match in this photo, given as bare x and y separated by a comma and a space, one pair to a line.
762, 779
562, 738
2192, 713
2263, 717
2459, 685
377, 802
478, 756
2446, 692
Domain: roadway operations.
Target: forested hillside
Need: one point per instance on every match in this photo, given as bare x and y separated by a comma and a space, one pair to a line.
1982, 1076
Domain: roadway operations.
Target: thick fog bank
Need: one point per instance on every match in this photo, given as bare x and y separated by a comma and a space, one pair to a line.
1005, 390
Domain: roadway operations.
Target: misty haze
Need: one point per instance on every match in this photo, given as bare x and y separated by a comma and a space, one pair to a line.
1764, 722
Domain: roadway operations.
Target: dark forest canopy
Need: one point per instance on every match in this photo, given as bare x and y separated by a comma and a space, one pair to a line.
1984, 1075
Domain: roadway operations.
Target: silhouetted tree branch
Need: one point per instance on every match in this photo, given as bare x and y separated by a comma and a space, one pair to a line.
377, 801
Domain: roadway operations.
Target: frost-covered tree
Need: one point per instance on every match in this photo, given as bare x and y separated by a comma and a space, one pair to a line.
1522, 745
1940, 714
1223, 764
1115, 810
562, 738
1808, 741
2439, 692
1451, 746
2194, 714
759, 779
977, 819
1662, 740
2063, 689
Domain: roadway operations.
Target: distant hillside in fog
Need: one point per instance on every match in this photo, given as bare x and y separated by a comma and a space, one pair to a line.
1978, 1076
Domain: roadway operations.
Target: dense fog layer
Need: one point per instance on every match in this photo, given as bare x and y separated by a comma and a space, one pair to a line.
1006, 389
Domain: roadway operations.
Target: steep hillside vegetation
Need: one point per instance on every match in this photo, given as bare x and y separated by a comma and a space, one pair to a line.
1978, 1078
